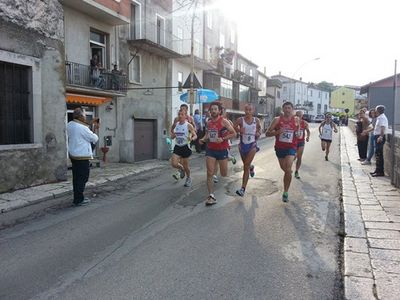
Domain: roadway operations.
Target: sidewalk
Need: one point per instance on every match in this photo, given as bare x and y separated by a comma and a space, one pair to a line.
21, 204
372, 226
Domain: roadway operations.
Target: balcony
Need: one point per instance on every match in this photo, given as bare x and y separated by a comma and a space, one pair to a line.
156, 40
243, 78
105, 83
98, 11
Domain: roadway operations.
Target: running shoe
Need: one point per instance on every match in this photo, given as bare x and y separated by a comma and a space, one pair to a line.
188, 182
233, 160
215, 178
211, 200
296, 174
326, 157
252, 172
176, 175
366, 162
285, 197
240, 192
182, 173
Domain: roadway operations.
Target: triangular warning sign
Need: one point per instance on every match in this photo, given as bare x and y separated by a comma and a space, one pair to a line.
196, 83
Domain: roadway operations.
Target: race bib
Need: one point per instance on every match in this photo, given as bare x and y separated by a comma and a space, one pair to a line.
300, 134
286, 136
213, 135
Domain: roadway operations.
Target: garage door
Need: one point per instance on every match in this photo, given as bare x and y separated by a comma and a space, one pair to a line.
144, 139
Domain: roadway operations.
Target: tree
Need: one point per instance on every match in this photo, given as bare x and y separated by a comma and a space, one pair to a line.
327, 86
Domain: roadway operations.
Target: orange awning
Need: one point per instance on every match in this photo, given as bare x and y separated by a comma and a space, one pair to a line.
85, 99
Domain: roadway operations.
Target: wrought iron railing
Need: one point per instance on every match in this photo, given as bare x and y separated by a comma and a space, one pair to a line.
85, 76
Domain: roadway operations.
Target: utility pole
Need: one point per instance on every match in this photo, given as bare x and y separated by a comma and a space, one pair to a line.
392, 140
191, 90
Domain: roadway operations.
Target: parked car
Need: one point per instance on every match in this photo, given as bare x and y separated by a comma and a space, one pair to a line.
309, 118
336, 120
319, 118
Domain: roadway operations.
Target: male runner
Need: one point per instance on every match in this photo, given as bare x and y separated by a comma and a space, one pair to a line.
180, 156
300, 141
184, 107
285, 128
219, 131
249, 129
325, 133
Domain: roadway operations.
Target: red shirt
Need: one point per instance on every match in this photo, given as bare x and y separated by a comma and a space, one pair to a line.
216, 130
287, 139
301, 133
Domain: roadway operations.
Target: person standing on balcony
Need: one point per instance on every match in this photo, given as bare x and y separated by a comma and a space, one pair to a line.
94, 69
80, 140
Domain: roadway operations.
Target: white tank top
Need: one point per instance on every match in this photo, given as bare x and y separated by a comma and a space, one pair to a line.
326, 132
182, 134
249, 135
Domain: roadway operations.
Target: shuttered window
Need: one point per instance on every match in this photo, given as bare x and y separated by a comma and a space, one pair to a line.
16, 125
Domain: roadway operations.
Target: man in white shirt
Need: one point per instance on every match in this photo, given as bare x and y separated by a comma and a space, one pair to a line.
380, 129
80, 139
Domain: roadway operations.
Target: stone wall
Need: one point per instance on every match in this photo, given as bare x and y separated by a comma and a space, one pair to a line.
389, 162
32, 35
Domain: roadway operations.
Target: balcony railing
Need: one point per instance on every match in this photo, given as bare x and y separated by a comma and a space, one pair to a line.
85, 76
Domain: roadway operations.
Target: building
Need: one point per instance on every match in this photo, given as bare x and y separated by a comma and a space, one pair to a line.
91, 52
293, 90
381, 92
317, 100
274, 92
343, 98
32, 94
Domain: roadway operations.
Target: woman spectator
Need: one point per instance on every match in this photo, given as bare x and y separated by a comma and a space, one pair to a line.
362, 139
371, 140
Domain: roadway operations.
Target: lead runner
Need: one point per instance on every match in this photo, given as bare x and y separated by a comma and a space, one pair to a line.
285, 129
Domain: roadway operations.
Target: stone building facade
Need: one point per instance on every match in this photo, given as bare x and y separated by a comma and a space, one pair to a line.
32, 88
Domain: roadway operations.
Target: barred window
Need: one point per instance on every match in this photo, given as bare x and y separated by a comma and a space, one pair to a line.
16, 121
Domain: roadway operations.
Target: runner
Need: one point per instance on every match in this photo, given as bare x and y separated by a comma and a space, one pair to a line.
325, 133
249, 129
300, 141
184, 108
285, 129
219, 131
180, 156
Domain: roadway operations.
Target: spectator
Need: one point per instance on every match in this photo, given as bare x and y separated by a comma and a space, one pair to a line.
362, 139
94, 69
80, 140
115, 78
371, 140
380, 129
199, 129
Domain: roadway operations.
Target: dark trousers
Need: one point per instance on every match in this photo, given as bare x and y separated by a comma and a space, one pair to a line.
80, 175
362, 147
379, 154
199, 134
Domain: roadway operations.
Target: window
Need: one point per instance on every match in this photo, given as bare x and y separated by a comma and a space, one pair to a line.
232, 36
285, 89
319, 94
326, 95
319, 109
226, 88
278, 94
222, 40
325, 108
98, 43
311, 93
160, 30
135, 69
180, 78
209, 53
243, 68
209, 20
16, 113
251, 72
135, 31
244, 92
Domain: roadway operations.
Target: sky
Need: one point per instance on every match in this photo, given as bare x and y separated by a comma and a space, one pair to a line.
355, 40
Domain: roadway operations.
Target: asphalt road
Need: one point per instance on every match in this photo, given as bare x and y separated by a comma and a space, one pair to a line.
148, 237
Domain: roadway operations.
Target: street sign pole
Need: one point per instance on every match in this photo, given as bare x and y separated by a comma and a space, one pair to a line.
392, 140
191, 91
